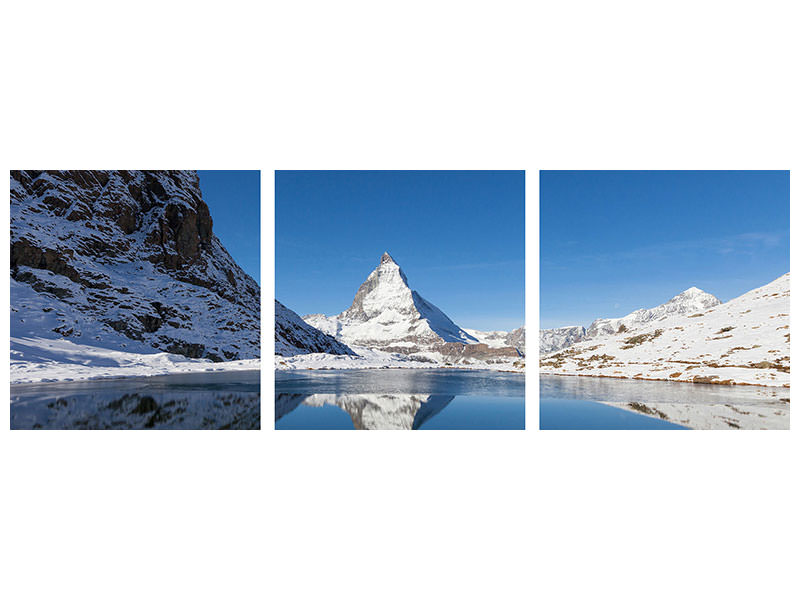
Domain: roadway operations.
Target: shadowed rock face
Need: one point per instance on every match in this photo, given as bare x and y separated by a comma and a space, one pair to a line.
294, 336
134, 250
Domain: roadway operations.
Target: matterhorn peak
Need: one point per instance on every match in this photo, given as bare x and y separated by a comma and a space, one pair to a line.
386, 312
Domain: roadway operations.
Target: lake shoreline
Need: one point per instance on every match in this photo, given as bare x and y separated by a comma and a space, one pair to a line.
572, 402
128, 378
724, 382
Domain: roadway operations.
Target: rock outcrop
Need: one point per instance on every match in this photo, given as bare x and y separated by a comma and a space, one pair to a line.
129, 260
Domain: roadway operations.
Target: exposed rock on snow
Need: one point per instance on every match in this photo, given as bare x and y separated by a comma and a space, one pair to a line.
743, 341
294, 336
551, 340
125, 261
388, 316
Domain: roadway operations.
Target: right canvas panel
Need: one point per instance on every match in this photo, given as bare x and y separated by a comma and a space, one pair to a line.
664, 300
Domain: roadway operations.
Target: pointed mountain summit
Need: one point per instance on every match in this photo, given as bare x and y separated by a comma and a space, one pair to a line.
387, 314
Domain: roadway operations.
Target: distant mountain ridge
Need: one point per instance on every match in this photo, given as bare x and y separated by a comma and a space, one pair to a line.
690, 301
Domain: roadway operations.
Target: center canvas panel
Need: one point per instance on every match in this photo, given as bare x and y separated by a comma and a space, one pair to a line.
371, 351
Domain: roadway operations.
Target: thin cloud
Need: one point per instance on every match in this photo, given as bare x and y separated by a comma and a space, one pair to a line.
744, 243
472, 265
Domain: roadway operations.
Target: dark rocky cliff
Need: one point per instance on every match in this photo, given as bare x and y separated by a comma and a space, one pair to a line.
129, 254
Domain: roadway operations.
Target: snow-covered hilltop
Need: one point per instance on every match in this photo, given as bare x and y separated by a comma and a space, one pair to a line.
694, 338
389, 324
124, 261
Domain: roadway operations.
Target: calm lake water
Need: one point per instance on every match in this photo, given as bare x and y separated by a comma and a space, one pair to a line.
187, 401
605, 403
399, 399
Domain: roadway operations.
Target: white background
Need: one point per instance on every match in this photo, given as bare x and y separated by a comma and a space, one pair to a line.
414, 84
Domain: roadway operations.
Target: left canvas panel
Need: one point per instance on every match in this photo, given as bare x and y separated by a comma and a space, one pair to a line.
135, 300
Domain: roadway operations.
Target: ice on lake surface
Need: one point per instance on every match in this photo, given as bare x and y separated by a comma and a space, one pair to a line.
223, 400
605, 403
399, 399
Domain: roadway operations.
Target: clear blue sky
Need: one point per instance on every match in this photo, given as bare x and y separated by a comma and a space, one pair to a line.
234, 200
458, 235
615, 241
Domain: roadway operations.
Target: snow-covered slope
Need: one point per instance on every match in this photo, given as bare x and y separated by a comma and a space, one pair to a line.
551, 340
294, 336
391, 321
743, 341
124, 261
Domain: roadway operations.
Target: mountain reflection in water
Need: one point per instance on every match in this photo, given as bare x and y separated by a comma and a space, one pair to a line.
371, 411
399, 399
187, 401
570, 402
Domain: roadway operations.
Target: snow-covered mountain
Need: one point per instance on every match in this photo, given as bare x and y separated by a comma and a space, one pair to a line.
387, 315
126, 261
294, 336
501, 339
691, 301
743, 341
551, 340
